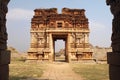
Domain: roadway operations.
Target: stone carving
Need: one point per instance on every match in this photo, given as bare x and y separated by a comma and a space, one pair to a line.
4, 54
113, 57
115, 10
3, 33
71, 26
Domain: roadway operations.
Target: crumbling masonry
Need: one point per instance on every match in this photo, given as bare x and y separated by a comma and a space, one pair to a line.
47, 26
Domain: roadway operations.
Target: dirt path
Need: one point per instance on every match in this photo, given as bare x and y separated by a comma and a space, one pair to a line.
59, 71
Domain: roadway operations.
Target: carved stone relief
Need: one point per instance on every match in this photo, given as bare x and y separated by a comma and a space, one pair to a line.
59, 26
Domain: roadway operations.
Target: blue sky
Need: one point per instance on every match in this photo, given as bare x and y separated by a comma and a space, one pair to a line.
21, 12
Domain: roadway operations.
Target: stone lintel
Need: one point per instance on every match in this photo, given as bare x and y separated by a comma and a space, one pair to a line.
113, 58
4, 57
58, 31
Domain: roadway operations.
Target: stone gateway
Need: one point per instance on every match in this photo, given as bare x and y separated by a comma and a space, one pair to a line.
113, 58
71, 26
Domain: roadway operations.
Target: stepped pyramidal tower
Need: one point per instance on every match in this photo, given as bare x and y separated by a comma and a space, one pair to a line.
47, 26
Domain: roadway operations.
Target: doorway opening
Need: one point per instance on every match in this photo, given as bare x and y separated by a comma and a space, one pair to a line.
60, 48
59, 54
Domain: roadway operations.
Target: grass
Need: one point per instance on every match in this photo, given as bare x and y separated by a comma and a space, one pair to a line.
92, 71
20, 70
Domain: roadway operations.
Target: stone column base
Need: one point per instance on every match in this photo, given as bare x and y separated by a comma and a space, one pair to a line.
4, 67
114, 65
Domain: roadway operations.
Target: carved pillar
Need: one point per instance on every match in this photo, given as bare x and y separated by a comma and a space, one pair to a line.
34, 40
51, 55
68, 48
114, 57
86, 38
4, 54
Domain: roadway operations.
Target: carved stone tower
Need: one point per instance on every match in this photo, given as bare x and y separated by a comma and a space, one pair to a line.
47, 26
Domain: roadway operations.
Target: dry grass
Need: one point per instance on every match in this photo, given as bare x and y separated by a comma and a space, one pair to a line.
92, 71
20, 70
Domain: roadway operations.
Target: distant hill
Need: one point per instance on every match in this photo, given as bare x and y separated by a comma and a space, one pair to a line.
99, 53
13, 50
15, 55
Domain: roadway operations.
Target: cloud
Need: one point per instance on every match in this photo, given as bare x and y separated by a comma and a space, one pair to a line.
19, 14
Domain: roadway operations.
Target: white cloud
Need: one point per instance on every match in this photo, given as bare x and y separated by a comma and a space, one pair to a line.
19, 14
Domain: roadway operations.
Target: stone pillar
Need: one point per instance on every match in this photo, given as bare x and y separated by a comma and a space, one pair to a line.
4, 61
86, 38
114, 57
4, 54
68, 48
51, 55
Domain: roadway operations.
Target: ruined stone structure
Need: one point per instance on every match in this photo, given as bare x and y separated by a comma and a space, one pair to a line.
4, 54
113, 57
47, 26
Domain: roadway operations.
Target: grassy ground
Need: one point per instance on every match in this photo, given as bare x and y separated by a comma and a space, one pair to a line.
92, 71
20, 70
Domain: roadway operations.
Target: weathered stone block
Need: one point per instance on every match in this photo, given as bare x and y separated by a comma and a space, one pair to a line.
4, 57
3, 46
4, 72
114, 72
113, 58
114, 65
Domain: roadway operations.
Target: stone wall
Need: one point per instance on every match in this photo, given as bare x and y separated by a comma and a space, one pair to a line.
100, 53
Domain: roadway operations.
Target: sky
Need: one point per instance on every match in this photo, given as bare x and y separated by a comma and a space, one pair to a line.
21, 12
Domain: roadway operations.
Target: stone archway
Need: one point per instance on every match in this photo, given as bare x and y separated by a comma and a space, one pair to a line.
113, 58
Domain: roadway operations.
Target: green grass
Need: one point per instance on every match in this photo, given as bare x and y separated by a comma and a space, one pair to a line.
92, 71
21, 70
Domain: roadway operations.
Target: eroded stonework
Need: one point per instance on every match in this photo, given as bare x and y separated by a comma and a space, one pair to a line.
3, 32
115, 10
4, 54
71, 25
113, 58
